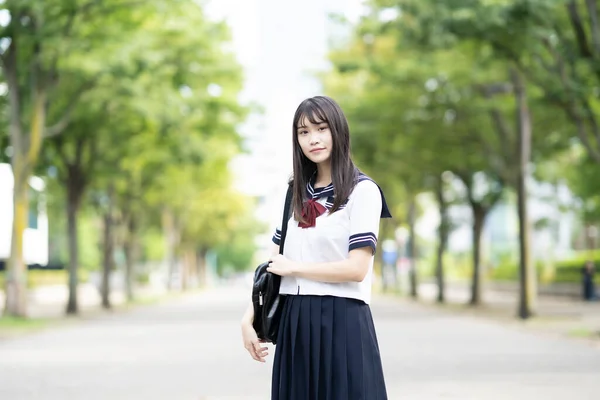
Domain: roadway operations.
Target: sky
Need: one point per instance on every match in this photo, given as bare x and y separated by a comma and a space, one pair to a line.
279, 44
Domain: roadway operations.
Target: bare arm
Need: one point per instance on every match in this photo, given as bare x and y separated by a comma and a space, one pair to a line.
248, 317
352, 269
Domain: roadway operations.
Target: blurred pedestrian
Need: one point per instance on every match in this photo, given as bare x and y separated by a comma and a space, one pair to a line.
589, 288
327, 347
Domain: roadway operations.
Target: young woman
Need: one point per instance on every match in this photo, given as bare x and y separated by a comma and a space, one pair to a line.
327, 347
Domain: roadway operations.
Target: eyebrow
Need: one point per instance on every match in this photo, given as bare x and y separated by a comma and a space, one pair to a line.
318, 123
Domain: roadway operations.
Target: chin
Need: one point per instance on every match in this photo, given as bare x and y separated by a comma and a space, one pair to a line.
319, 159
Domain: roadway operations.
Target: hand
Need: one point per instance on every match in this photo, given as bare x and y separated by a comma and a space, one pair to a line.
281, 266
252, 343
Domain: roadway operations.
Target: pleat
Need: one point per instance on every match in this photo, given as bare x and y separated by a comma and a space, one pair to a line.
341, 348
300, 348
373, 376
356, 363
282, 362
327, 350
315, 347
366, 355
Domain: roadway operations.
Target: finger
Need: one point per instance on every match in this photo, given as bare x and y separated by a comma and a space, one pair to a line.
252, 352
264, 352
250, 348
258, 352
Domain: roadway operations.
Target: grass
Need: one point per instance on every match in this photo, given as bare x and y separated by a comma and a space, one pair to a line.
14, 326
36, 278
584, 333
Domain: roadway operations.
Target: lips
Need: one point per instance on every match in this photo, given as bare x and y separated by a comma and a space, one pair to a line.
317, 150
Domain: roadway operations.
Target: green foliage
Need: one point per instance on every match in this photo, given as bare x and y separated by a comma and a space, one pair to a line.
143, 115
570, 270
153, 245
561, 271
427, 88
17, 326
236, 255
88, 230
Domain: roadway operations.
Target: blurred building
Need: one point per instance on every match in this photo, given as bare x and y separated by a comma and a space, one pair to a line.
553, 225
35, 238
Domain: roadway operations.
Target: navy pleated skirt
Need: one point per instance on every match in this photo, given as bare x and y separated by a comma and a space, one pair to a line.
327, 349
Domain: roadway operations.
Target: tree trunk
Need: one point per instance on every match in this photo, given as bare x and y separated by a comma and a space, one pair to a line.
185, 269
193, 271
129, 247
16, 272
108, 252
412, 247
526, 272
443, 231
26, 149
201, 267
479, 214
74, 193
107, 260
171, 239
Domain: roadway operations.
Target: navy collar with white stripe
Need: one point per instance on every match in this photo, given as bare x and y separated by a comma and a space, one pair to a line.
329, 192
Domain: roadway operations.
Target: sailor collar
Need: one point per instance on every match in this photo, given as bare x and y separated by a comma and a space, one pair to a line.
328, 192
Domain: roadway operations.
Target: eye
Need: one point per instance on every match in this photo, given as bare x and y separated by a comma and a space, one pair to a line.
322, 128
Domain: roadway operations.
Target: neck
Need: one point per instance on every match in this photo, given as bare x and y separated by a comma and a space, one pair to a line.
323, 174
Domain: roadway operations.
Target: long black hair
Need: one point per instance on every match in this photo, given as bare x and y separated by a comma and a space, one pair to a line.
344, 173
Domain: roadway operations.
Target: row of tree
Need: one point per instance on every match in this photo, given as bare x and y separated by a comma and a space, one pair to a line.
130, 109
489, 93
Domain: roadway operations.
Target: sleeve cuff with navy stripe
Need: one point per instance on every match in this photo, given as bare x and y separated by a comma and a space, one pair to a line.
277, 237
363, 240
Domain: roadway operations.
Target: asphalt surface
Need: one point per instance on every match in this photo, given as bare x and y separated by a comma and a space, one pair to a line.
191, 349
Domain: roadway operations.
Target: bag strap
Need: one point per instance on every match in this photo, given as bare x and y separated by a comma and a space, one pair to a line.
286, 217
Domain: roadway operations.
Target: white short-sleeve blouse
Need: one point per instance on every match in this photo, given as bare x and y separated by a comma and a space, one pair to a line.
353, 226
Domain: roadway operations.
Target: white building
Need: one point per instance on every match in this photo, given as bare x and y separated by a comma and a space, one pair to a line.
35, 238
500, 237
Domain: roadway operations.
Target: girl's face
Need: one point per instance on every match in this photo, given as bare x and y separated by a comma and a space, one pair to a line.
315, 140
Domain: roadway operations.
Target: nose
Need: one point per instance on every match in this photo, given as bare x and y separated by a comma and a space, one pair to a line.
314, 138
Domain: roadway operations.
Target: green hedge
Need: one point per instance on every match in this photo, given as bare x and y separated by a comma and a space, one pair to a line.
562, 271
42, 278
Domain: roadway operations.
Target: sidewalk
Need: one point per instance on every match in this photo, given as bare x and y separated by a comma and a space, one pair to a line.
49, 302
562, 316
192, 350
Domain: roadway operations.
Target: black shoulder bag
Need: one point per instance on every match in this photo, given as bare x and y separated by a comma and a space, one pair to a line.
266, 300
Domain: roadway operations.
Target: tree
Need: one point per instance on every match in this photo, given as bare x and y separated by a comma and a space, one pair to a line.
37, 63
170, 86
480, 25
439, 121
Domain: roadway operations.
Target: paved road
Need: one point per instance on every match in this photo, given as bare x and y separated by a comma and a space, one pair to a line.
191, 350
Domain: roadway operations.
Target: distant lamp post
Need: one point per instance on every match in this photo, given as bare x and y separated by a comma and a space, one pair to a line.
402, 235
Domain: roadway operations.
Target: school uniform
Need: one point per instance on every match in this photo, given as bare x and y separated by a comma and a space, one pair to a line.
327, 346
